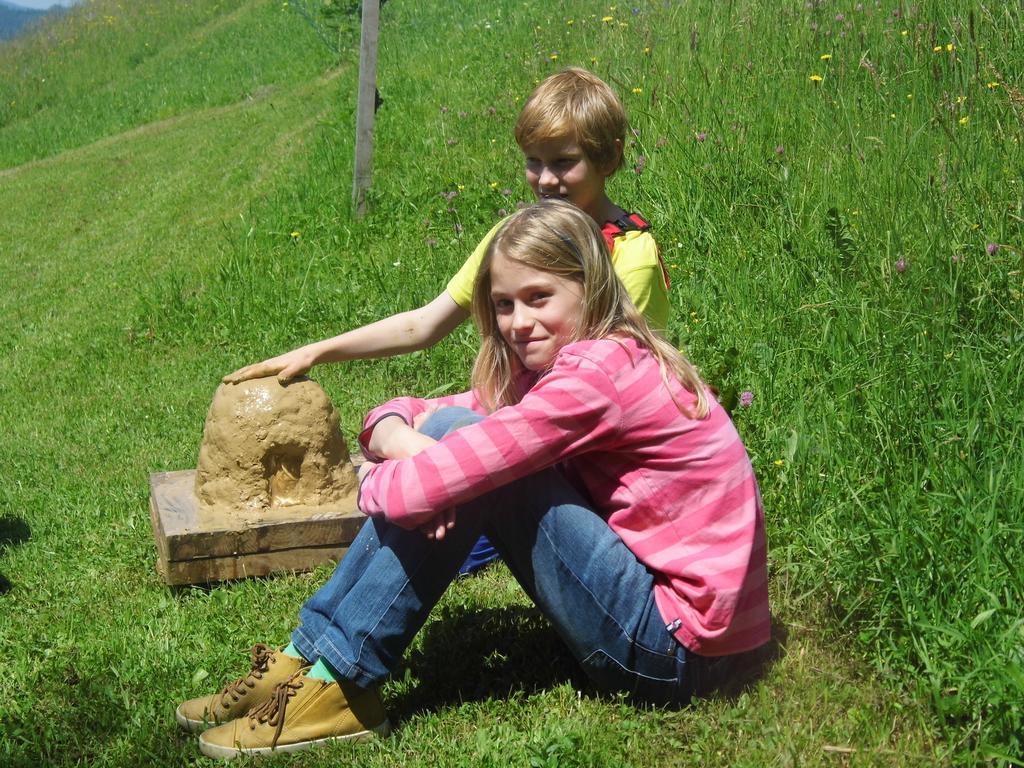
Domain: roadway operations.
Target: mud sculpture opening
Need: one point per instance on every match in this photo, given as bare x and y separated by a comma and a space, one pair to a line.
267, 446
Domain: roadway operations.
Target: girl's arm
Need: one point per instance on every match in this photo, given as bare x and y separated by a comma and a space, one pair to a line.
573, 409
405, 332
392, 438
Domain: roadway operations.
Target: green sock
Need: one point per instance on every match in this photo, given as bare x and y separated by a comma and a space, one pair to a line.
322, 671
292, 651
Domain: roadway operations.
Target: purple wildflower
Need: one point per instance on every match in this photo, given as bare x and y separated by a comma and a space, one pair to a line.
780, 150
431, 242
462, 114
520, 205
991, 248
452, 142
957, 257
458, 229
449, 196
746, 398
901, 265
506, 192
661, 142
840, 17
502, 213
701, 136
444, 110
641, 163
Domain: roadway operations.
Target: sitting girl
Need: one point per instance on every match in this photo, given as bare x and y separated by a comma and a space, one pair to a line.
589, 451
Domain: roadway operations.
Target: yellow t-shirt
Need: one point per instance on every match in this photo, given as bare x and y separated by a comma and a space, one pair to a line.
634, 257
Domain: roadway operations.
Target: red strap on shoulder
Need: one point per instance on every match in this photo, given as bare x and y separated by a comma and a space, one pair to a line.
631, 222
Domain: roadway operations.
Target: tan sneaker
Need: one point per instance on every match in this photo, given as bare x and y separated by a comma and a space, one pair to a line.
302, 712
269, 667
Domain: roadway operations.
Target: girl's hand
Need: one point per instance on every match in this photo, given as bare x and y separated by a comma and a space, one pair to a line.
364, 468
436, 528
285, 367
421, 418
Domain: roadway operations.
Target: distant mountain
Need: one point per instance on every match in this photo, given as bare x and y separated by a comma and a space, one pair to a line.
14, 18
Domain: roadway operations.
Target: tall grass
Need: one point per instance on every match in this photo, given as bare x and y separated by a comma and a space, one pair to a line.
838, 203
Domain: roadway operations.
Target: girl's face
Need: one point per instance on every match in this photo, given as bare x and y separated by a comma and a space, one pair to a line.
537, 312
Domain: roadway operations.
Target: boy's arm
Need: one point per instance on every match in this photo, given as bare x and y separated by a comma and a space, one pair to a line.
405, 332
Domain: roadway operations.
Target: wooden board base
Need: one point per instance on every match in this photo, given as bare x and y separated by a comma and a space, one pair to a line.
194, 548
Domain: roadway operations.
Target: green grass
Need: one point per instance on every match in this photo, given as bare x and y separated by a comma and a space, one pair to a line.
150, 202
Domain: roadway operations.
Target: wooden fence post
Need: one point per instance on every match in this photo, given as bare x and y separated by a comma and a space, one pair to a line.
365, 105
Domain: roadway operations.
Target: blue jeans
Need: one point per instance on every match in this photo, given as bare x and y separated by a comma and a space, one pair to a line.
578, 571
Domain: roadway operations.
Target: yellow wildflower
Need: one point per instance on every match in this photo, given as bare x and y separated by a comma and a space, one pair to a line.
937, 49
779, 462
825, 57
992, 85
965, 120
904, 33
950, 47
460, 187
638, 90
607, 19
296, 235
494, 185
815, 78
553, 57
569, 22
647, 50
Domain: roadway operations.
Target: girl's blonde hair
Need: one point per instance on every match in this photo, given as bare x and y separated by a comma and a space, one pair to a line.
576, 104
557, 237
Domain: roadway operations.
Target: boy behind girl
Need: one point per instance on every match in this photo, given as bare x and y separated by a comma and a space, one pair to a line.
572, 132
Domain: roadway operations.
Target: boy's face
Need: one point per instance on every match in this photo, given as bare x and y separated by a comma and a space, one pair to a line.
559, 168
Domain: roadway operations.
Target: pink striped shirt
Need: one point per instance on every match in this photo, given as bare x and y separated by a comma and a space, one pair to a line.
680, 492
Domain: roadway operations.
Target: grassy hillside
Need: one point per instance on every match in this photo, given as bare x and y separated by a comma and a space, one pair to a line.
837, 191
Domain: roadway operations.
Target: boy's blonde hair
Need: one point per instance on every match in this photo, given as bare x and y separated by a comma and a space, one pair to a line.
557, 237
579, 105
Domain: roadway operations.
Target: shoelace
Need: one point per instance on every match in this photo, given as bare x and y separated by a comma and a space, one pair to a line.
272, 710
260, 662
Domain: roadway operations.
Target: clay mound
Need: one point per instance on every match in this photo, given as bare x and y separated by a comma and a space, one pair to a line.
267, 446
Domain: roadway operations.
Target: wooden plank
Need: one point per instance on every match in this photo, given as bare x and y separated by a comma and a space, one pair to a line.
366, 103
195, 546
213, 569
184, 532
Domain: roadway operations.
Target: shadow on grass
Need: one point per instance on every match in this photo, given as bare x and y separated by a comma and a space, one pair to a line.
472, 654
13, 530
744, 671
469, 655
